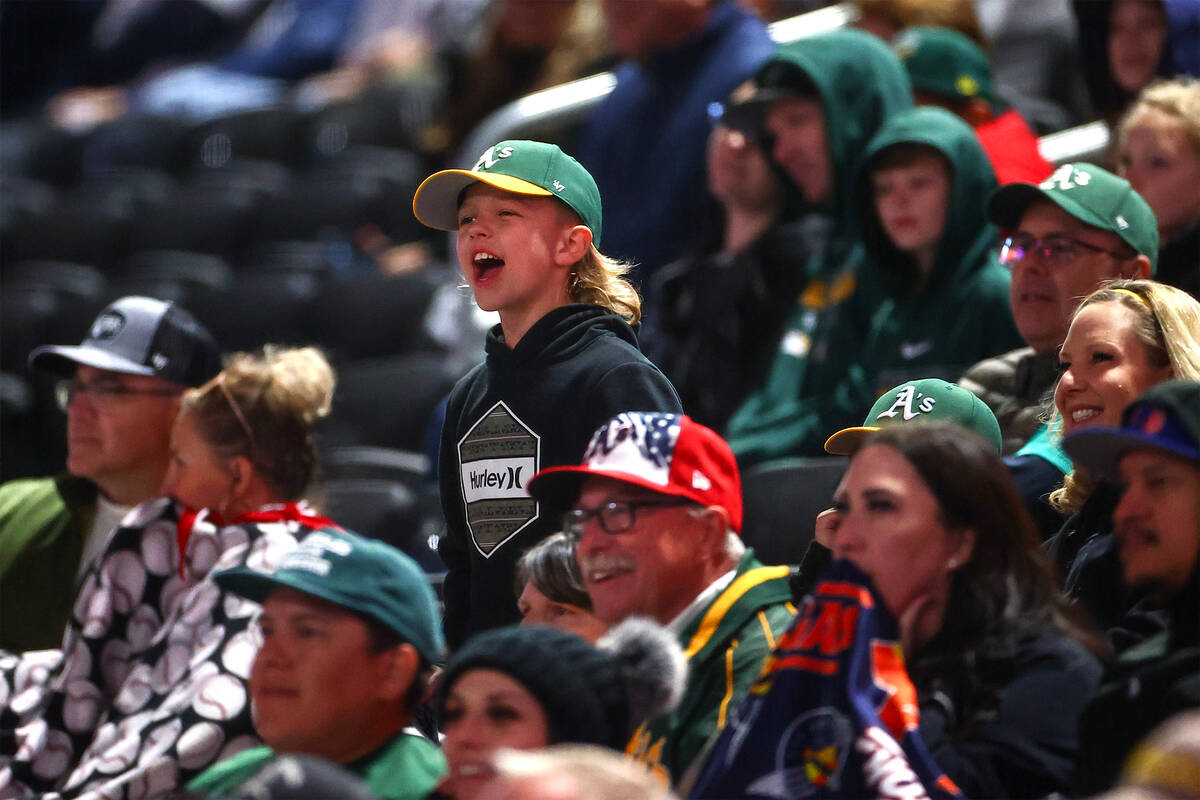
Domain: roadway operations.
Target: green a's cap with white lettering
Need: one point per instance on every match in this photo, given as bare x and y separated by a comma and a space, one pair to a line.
363, 575
519, 166
1092, 195
928, 400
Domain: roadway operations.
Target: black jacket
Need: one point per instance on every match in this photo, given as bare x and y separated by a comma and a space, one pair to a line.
522, 410
1145, 686
1085, 554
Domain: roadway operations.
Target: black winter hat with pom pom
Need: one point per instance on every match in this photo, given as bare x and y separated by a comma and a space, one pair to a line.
592, 694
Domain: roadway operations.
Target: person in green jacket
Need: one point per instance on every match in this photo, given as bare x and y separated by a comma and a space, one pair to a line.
120, 389
817, 103
349, 632
657, 507
922, 194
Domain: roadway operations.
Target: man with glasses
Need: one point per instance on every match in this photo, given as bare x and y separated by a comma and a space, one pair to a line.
1078, 228
120, 389
657, 508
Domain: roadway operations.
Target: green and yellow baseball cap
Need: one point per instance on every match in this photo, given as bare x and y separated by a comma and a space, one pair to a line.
927, 400
1092, 195
519, 166
945, 62
363, 575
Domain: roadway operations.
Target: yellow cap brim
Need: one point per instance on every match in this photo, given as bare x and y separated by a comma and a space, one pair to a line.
435, 202
847, 440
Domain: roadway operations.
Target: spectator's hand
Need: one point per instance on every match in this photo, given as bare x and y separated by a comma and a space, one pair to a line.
825, 528
82, 109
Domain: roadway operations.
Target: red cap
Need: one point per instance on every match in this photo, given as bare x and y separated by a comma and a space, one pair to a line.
666, 453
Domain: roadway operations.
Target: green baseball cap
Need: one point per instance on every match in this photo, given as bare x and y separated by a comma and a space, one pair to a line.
360, 574
928, 400
519, 166
1092, 195
944, 62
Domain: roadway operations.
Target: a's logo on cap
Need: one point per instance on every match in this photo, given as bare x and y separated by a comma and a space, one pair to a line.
558, 187
311, 555
491, 157
904, 402
1121, 223
107, 325
966, 85
1067, 177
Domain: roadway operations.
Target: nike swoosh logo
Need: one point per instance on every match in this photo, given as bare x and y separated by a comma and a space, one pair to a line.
909, 351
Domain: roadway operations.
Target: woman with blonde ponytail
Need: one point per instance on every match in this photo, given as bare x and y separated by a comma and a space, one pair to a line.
150, 685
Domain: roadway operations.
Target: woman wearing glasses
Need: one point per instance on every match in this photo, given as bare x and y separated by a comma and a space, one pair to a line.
1124, 338
149, 686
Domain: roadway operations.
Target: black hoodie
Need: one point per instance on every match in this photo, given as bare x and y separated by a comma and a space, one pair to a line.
522, 410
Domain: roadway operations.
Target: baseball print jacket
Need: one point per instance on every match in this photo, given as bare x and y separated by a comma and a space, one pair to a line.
150, 684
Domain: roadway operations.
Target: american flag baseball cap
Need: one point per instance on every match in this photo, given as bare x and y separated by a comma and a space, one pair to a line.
666, 453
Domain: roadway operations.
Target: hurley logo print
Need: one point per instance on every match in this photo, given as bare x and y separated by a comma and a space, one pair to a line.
910, 350
491, 157
904, 404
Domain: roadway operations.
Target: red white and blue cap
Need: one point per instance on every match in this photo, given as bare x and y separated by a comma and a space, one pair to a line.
1166, 418
666, 453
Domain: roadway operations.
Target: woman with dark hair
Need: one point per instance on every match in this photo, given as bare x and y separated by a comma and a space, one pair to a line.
549, 587
1000, 666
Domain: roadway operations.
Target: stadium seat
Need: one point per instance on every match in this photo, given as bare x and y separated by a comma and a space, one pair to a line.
386, 402
213, 220
781, 501
375, 315
380, 509
138, 140
174, 275
272, 134
259, 309
367, 461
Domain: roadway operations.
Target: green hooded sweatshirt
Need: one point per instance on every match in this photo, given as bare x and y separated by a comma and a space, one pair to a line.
861, 84
960, 314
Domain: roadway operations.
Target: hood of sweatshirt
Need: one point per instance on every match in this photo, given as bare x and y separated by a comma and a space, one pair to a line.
559, 335
968, 236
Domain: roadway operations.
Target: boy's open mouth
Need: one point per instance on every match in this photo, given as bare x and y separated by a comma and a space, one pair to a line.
485, 263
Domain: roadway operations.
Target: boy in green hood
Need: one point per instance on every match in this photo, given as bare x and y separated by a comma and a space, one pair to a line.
921, 193
817, 103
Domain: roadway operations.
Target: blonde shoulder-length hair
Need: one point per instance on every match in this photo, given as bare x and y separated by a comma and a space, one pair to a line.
600, 280
1168, 325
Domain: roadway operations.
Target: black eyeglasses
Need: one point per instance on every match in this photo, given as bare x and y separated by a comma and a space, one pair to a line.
615, 516
102, 394
1055, 251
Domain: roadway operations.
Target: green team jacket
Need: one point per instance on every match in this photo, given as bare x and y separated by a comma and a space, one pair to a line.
725, 645
891, 326
406, 768
43, 522
861, 85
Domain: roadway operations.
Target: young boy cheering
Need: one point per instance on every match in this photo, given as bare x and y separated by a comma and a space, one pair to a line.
562, 361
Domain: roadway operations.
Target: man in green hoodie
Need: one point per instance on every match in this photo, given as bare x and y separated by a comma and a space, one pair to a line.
817, 102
